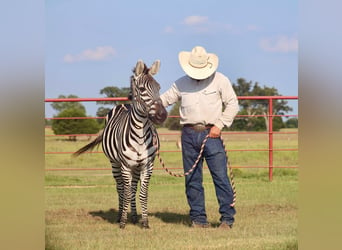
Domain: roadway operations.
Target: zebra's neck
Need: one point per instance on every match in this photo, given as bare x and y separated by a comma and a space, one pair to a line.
142, 134
139, 120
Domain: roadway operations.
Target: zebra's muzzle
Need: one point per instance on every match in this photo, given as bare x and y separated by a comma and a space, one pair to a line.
158, 113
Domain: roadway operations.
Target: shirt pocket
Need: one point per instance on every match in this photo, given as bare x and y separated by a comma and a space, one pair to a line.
210, 96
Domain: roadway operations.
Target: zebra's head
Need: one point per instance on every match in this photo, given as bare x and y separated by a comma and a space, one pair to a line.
145, 92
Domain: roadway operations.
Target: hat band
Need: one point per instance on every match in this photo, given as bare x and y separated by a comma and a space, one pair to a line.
200, 66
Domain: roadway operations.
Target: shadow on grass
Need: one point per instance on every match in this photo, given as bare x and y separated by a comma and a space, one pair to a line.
111, 216
175, 218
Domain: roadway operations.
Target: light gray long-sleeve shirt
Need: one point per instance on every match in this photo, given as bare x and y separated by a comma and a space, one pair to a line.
208, 101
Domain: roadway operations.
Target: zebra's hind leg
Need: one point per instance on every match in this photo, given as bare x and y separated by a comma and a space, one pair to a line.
134, 214
143, 195
119, 189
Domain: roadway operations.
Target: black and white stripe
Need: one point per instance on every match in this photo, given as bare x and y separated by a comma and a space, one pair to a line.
130, 141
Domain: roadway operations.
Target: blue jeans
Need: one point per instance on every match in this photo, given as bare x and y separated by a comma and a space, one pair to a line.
216, 159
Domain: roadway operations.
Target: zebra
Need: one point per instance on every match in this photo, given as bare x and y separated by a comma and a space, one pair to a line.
130, 141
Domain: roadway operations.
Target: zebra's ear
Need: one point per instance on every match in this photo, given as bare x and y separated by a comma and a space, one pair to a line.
155, 67
139, 68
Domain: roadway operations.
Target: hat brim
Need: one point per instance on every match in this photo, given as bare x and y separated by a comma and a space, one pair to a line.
198, 73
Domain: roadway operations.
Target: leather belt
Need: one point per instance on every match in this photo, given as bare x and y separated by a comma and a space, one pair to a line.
198, 127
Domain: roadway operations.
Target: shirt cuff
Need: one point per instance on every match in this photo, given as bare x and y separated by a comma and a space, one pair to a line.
219, 124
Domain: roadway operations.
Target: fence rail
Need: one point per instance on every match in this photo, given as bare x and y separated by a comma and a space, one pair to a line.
270, 131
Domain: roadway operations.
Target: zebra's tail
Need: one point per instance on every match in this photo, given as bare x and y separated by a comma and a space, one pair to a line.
89, 146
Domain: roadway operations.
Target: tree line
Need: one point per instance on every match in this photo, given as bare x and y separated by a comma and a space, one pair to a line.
254, 113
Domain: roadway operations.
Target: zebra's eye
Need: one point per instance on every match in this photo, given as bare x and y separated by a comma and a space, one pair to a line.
141, 89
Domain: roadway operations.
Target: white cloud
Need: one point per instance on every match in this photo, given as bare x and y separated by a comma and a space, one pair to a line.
98, 54
195, 20
168, 29
279, 44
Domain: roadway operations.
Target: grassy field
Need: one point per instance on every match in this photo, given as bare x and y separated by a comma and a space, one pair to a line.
81, 206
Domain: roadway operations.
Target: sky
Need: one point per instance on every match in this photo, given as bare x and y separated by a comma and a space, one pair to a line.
90, 45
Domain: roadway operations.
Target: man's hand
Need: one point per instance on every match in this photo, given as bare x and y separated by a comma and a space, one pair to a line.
214, 132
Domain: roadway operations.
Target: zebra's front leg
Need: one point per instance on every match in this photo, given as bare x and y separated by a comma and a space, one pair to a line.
126, 199
143, 195
134, 215
119, 188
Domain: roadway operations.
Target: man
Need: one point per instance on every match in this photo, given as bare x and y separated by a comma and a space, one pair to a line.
208, 103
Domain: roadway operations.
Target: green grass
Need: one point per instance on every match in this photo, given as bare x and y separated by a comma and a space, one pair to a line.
81, 206
81, 213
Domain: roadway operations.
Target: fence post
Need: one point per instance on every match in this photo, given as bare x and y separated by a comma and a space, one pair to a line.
270, 139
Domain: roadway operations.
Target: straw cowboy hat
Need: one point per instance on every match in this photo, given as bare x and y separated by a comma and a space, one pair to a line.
198, 64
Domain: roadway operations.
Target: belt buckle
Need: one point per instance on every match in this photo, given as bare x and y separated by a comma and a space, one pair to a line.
199, 127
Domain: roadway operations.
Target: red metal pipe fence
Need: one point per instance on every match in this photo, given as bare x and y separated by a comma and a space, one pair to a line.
270, 131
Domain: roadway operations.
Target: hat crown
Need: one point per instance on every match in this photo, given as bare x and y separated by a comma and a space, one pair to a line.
198, 57
197, 63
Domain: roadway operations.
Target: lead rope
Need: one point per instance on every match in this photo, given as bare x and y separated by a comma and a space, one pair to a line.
195, 164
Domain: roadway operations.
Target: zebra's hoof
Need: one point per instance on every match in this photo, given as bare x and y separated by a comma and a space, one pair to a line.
118, 219
122, 226
145, 225
134, 219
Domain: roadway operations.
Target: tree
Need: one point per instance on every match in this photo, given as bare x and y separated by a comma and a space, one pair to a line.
102, 112
278, 123
111, 91
241, 124
291, 123
74, 126
61, 106
260, 107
